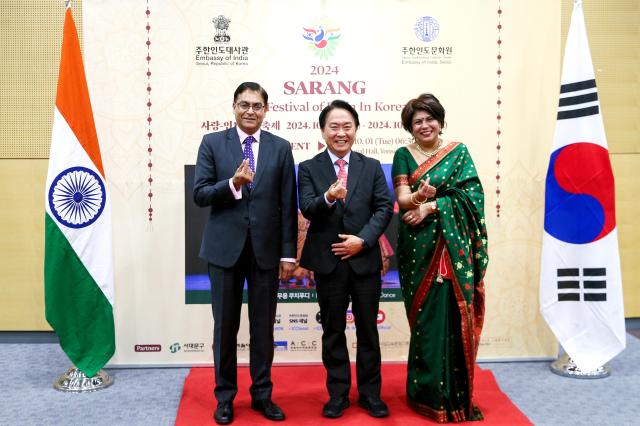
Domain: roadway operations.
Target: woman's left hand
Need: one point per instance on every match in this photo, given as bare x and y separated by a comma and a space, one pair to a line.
415, 216
425, 190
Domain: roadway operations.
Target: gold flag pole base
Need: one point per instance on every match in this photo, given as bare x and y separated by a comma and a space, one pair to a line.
564, 366
75, 380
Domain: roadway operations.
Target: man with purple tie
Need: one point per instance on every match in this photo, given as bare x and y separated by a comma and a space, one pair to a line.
246, 176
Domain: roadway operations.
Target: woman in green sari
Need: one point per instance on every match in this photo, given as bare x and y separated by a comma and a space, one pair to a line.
442, 258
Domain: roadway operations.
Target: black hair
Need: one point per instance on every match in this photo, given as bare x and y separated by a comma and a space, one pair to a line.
425, 102
338, 104
250, 85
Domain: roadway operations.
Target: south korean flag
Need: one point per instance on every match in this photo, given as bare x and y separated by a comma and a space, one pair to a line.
580, 281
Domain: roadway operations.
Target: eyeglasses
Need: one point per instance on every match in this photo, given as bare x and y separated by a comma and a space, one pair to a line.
244, 106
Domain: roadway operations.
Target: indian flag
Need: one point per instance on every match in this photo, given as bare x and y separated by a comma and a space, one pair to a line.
78, 264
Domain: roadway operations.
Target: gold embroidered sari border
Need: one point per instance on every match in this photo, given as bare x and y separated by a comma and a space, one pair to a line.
468, 337
440, 416
425, 285
400, 180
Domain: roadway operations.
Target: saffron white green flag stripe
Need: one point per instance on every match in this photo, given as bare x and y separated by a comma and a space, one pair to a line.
78, 266
580, 280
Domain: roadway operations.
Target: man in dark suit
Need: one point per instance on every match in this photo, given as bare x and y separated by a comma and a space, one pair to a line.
247, 177
344, 195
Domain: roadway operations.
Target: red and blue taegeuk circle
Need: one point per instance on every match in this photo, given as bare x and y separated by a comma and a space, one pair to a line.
579, 197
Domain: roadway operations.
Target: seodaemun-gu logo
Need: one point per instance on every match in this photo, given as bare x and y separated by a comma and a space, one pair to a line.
77, 197
580, 204
426, 28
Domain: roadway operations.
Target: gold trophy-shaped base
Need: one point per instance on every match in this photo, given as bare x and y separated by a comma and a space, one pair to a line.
75, 380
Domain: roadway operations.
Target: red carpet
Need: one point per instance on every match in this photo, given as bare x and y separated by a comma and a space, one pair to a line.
300, 391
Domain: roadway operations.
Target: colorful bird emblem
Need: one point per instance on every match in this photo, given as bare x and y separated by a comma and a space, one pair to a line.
322, 41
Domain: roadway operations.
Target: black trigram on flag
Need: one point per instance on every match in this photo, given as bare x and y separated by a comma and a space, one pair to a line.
578, 100
592, 285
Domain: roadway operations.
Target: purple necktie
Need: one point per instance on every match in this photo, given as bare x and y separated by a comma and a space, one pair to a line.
247, 154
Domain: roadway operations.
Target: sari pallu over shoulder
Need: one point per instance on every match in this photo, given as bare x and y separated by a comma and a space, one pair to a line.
460, 201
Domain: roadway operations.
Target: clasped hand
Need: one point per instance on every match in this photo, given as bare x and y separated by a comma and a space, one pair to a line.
243, 175
286, 270
350, 246
413, 217
336, 191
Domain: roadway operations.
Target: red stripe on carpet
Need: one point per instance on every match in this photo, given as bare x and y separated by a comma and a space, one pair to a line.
301, 393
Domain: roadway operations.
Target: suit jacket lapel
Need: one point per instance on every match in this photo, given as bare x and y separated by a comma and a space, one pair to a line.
234, 146
235, 151
327, 169
353, 177
265, 152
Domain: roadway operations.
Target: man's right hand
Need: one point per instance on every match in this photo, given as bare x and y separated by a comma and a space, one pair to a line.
243, 175
336, 192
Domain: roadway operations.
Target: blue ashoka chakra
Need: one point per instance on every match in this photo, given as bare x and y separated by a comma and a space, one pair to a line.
77, 197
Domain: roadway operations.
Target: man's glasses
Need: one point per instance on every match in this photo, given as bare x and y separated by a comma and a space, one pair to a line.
244, 106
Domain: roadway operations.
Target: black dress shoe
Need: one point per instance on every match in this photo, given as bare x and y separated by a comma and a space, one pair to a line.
224, 413
268, 409
374, 406
335, 406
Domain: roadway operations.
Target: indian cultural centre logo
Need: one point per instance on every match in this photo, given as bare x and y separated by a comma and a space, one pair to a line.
426, 28
322, 39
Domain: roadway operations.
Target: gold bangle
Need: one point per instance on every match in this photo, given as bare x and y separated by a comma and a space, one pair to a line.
414, 199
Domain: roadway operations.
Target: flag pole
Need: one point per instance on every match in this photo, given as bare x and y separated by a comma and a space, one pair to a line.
78, 272
580, 278
564, 365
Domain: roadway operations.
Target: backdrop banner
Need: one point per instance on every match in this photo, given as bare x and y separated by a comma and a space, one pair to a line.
162, 75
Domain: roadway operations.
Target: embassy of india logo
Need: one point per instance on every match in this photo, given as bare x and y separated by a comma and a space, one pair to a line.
322, 41
221, 24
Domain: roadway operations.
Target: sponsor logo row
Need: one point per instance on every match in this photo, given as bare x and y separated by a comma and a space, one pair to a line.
173, 348
297, 321
278, 345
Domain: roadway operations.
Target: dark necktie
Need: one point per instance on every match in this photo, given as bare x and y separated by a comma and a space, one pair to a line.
247, 154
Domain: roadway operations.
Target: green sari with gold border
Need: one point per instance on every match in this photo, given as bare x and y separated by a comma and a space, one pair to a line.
442, 262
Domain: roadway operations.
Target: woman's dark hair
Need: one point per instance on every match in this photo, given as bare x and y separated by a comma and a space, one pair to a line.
250, 85
338, 104
425, 102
